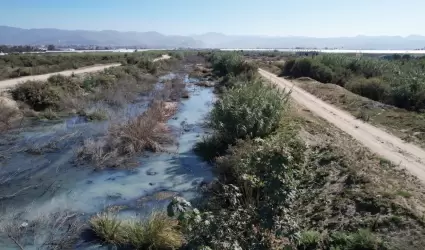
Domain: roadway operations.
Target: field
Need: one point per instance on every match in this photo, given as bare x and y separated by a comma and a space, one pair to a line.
197, 151
17, 65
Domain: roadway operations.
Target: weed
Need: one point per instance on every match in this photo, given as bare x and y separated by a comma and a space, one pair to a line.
8, 115
49, 114
144, 132
404, 193
310, 240
37, 95
156, 232
97, 115
108, 228
248, 112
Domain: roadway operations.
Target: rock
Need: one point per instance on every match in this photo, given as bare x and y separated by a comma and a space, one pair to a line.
151, 172
23, 225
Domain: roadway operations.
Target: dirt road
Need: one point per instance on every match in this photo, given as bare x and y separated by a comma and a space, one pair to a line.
12, 82
6, 84
380, 142
163, 57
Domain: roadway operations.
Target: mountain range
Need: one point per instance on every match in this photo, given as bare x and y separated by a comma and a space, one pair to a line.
19, 36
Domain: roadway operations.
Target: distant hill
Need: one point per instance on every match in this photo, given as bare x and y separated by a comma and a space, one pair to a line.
18, 36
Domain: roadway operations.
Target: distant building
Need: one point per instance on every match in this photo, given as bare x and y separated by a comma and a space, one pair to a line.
307, 53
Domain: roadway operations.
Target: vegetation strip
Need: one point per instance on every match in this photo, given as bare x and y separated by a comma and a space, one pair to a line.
409, 156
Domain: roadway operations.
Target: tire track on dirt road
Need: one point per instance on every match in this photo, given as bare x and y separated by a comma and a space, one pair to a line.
388, 146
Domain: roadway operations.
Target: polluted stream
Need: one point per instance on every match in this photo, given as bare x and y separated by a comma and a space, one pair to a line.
40, 176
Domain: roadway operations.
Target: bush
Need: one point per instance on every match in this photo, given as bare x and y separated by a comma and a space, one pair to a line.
310, 240
37, 94
144, 132
287, 67
225, 64
108, 228
156, 232
372, 88
245, 112
363, 239
307, 67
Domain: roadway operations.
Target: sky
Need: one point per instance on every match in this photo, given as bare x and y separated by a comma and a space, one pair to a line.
314, 18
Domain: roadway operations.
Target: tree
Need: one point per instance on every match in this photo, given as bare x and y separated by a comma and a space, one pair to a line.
51, 47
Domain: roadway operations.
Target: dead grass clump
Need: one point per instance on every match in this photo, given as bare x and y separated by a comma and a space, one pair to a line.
99, 153
122, 92
55, 231
177, 89
8, 115
207, 84
145, 132
156, 232
107, 228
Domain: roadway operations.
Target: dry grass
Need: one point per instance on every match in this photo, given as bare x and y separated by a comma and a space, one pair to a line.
156, 232
174, 90
407, 125
97, 152
108, 228
8, 116
352, 188
56, 231
146, 132
124, 91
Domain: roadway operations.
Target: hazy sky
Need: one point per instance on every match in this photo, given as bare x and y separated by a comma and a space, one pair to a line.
319, 18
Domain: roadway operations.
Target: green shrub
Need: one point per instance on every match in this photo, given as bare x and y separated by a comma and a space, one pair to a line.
310, 240
254, 110
156, 232
108, 228
231, 64
36, 94
308, 67
372, 88
287, 67
363, 239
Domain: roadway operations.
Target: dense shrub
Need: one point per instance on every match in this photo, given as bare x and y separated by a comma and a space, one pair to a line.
245, 112
309, 68
372, 88
225, 64
37, 94
115, 86
398, 82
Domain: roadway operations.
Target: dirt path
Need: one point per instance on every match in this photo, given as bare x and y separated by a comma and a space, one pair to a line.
386, 145
12, 82
163, 57
6, 84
